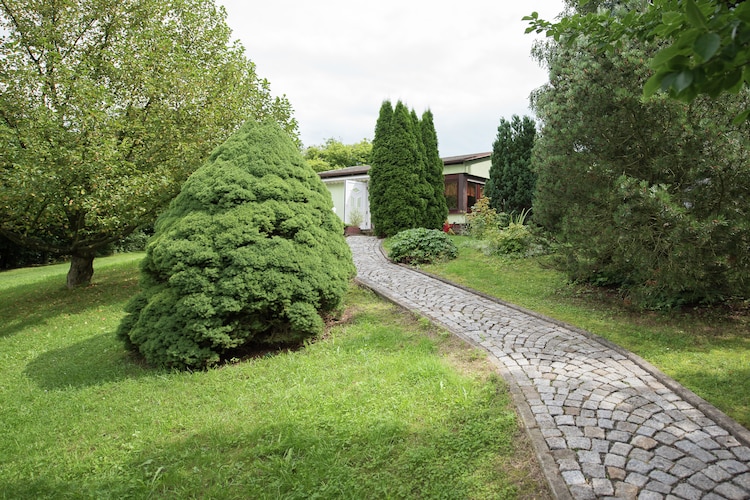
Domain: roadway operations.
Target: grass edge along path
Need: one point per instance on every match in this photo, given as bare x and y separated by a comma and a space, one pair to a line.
384, 406
706, 351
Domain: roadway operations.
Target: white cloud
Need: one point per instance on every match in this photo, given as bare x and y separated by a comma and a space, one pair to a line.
337, 60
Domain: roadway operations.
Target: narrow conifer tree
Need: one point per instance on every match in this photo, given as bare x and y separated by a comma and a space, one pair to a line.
379, 169
512, 181
423, 189
398, 195
437, 208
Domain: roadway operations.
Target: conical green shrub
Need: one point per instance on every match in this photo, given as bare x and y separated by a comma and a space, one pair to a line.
249, 252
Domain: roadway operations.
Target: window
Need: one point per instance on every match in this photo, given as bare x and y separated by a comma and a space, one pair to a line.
451, 194
461, 193
473, 193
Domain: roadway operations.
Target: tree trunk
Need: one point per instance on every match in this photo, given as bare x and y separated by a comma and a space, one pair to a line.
81, 269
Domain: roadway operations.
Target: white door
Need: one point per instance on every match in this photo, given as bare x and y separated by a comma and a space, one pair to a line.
357, 203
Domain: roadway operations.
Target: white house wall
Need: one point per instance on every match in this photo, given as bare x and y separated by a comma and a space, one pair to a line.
341, 192
338, 195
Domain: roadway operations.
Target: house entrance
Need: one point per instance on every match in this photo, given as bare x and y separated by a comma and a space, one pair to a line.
357, 202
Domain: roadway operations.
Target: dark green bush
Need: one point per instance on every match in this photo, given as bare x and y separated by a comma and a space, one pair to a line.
249, 252
420, 245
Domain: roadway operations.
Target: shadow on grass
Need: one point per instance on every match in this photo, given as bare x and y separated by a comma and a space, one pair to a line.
727, 389
275, 461
36, 304
376, 457
96, 360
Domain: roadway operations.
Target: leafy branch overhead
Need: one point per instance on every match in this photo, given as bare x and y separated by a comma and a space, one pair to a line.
704, 44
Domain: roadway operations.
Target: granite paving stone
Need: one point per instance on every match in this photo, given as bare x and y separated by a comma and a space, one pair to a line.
614, 426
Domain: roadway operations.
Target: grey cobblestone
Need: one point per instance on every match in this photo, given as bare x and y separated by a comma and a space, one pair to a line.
602, 487
743, 481
687, 492
658, 487
614, 429
639, 466
574, 477
614, 460
650, 495
731, 491
701, 481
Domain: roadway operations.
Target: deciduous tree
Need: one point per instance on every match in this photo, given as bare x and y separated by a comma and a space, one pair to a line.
334, 154
106, 108
704, 44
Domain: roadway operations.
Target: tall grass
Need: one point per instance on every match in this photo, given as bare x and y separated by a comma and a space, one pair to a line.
384, 406
706, 350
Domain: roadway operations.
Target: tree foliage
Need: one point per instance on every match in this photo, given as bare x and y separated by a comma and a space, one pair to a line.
705, 44
249, 252
403, 173
437, 207
511, 183
397, 200
651, 196
106, 108
334, 154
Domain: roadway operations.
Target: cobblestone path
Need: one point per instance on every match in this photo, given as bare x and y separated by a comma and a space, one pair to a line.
605, 424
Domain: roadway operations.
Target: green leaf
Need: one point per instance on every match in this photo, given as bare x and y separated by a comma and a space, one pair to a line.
682, 81
653, 85
694, 15
664, 56
707, 45
667, 81
742, 117
742, 11
734, 82
672, 18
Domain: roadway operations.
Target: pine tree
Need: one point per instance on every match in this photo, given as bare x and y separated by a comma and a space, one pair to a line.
512, 181
437, 208
249, 252
649, 195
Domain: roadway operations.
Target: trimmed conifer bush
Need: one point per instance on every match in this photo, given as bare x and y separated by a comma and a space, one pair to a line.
249, 252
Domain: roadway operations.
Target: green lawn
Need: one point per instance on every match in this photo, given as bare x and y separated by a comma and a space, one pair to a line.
707, 351
384, 406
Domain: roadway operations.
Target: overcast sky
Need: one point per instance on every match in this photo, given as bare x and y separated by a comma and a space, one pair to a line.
337, 60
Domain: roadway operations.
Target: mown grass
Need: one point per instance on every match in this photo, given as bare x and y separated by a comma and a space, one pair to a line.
384, 406
706, 350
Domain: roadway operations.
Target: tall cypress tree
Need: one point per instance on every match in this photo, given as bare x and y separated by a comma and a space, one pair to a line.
423, 189
512, 181
397, 189
380, 168
437, 207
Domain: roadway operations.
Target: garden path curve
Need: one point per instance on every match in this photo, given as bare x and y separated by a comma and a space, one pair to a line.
604, 423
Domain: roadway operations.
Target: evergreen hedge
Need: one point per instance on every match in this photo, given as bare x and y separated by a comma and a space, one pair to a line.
406, 177
249, 252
